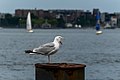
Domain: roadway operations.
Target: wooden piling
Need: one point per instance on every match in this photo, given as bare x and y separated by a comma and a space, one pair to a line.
59, 71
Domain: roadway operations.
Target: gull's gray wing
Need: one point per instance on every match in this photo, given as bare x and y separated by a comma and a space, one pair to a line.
45, 49
51, 44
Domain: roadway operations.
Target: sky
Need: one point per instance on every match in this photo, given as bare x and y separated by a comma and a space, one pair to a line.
9, 6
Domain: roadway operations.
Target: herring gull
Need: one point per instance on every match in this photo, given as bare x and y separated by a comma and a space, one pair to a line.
48, 48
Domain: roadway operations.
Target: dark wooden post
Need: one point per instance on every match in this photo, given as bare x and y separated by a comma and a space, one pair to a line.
59, 71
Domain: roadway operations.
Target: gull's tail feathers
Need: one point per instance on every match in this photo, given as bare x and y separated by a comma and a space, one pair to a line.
32, 52
28, 51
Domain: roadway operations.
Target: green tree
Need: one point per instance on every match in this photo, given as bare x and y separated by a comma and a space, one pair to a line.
53, 22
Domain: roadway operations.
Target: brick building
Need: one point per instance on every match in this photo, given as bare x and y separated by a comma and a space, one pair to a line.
70, 14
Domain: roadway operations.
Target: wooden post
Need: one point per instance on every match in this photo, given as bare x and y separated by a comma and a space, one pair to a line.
59, 71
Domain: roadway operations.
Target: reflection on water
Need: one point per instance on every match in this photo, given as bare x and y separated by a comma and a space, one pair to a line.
100, 53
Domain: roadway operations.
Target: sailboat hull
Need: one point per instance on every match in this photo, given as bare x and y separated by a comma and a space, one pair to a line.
98, 32
30, 31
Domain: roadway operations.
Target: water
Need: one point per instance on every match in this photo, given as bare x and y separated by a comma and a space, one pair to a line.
100, 53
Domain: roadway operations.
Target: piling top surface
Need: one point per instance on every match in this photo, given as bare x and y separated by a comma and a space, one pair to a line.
59, 65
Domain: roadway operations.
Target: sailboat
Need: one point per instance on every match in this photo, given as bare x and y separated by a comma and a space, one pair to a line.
98, 31
28, 24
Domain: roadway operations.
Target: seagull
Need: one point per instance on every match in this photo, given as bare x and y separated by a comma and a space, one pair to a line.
48, 48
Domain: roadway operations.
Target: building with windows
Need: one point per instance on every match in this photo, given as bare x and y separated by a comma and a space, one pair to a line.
2, 15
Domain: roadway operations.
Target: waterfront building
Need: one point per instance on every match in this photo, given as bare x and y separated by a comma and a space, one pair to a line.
2, 15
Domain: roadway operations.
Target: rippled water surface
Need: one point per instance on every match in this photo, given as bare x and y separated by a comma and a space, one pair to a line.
100, 53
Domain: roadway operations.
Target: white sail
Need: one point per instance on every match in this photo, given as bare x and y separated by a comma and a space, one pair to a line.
29, 25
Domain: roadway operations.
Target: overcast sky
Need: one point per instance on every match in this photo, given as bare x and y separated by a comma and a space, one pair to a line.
104, 5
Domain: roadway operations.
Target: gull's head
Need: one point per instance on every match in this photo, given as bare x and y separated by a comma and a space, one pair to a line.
58, 39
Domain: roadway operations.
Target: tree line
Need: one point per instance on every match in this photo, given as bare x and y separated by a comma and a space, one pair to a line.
11, 21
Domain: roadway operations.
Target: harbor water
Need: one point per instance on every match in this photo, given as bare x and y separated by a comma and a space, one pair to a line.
100, 53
